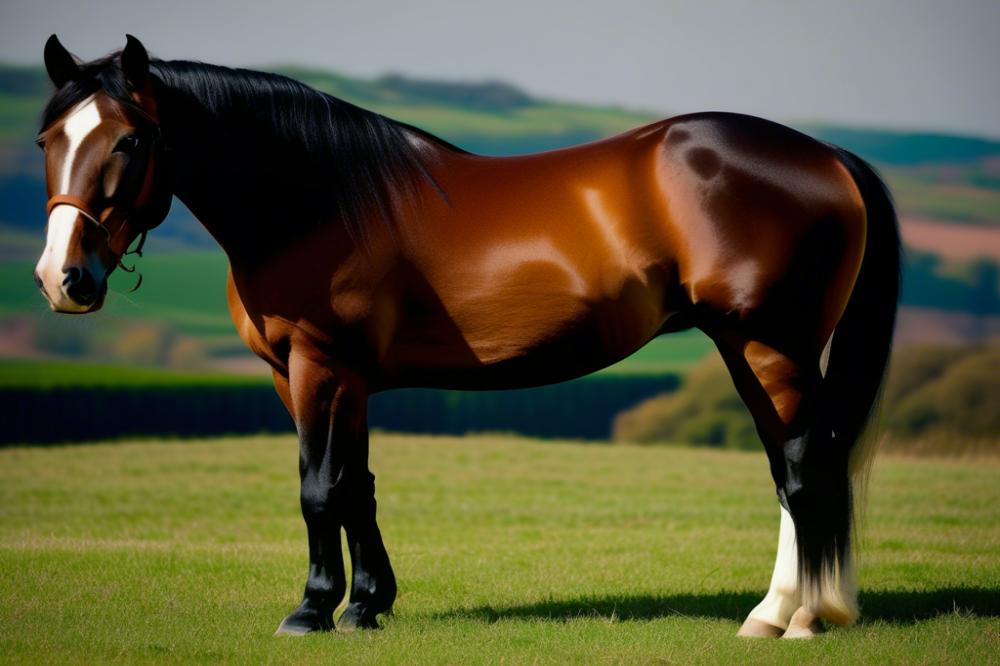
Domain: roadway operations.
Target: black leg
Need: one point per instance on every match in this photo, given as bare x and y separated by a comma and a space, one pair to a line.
325, 586
338, 491
329, 414
373, 585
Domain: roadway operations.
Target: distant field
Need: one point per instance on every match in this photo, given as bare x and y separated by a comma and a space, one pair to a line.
47, 374
187, 290
950, 240
943, 201
674, 352
506, 551
668, 354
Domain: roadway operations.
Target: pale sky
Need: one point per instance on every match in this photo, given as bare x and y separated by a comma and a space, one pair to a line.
913, 64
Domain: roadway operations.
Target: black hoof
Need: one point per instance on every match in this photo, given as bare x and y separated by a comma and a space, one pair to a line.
305, 620
357, 616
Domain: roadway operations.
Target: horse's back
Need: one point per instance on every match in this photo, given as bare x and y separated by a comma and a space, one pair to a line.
542, 267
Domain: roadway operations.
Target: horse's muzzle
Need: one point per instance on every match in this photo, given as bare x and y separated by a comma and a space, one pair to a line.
79, 293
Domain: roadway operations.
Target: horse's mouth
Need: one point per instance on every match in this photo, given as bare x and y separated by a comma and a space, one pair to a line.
67, 305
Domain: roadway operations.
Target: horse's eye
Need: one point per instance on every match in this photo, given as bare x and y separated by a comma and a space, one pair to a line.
40, 143
127, 144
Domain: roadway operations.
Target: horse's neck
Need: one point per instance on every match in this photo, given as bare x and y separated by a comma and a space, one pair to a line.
227, 184
253, 201
200, 172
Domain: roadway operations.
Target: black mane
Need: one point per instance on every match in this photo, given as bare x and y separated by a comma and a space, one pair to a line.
366, 163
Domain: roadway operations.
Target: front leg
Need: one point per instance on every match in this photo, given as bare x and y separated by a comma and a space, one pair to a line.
328, 406
373, 584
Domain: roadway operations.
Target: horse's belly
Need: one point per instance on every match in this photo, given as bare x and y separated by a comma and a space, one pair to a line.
538, 331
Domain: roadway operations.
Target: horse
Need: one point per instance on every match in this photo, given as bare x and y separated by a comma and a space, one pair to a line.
367, 255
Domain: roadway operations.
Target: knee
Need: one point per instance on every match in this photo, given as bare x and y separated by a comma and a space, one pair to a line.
316, 502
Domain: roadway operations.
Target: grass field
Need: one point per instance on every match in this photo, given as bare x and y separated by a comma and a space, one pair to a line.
18, 373
184, 290
507, 551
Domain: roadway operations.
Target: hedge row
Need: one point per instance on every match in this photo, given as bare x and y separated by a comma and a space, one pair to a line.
583, 409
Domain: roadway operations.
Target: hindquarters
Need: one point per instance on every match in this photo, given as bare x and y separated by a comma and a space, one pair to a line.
791, 264
767, 223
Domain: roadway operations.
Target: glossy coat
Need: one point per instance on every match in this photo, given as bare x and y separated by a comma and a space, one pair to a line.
519, 271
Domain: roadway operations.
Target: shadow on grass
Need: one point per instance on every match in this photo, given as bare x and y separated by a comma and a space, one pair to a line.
894, 606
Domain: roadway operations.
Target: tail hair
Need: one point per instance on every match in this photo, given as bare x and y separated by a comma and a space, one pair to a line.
856, 369
862, 343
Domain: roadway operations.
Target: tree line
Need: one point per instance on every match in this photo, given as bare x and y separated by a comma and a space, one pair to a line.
580, 409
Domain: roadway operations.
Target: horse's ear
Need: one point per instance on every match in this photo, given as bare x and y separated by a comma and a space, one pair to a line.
135, 62
61, 65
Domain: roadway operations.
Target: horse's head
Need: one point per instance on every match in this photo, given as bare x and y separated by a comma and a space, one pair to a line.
104, 169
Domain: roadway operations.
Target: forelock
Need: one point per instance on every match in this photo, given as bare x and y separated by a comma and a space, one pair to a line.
102, 75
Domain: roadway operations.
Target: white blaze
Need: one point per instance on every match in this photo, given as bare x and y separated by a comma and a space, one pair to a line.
62, 221
83, 120
63, 218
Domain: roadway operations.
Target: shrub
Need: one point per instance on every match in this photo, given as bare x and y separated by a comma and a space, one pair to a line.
935, 394
706, 410
962, 397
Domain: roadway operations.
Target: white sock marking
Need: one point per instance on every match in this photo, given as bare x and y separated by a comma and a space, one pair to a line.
783, 597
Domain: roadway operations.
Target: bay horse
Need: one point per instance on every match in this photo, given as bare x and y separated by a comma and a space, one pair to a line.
366, 254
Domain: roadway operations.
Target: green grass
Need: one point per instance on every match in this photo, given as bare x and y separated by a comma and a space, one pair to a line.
185, 290
923, 197
17, 243
19, 117
21, 373
674, 352
506, 551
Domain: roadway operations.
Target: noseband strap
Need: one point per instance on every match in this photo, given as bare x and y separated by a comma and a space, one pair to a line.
79, 204
84, 209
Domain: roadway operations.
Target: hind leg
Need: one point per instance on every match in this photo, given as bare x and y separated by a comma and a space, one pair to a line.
812, 572
771, 616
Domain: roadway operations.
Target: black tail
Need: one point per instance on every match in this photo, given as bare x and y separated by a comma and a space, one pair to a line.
859, 355
860, 350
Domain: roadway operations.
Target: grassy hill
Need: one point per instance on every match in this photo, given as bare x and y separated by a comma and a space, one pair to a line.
940, 399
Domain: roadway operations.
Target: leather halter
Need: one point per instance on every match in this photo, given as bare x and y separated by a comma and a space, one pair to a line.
99, 219
82, 207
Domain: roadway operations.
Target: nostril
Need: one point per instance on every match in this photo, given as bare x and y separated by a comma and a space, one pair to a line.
73, 275
83, 288
38, 281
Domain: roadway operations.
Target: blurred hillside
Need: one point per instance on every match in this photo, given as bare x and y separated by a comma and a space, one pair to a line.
938, 398
947, 189
937, 176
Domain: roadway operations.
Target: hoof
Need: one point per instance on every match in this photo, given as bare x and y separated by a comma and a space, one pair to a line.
357, 616
803, 625
754, 628
303, 621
